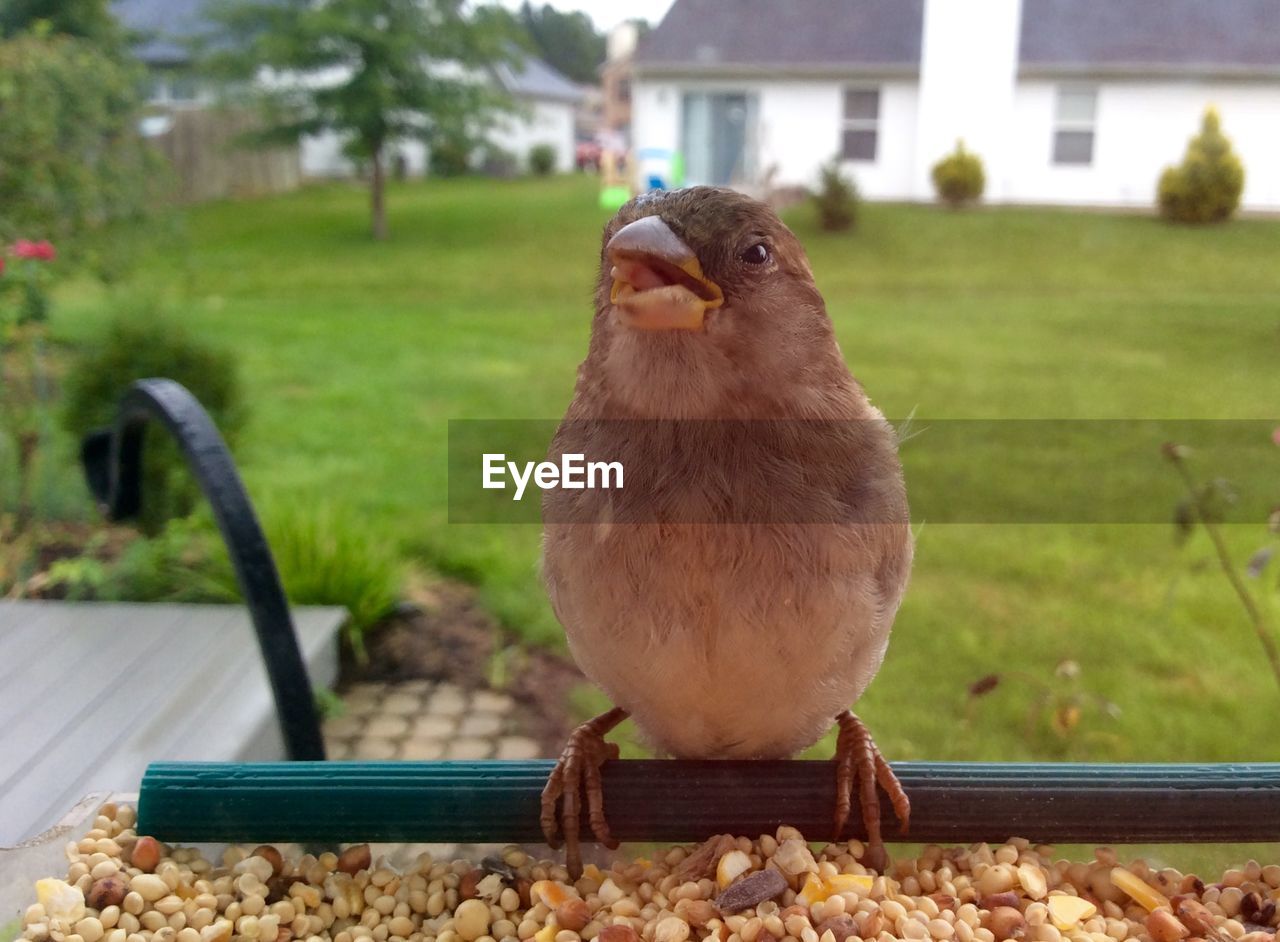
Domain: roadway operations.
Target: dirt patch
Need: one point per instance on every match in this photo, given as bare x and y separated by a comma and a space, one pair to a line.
443, 634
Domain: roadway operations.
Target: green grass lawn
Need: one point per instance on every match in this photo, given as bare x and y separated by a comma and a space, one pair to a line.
356, 355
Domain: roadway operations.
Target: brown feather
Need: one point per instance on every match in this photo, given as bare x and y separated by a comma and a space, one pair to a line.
728, 639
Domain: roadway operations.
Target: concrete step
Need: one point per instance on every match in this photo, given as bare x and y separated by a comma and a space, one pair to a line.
92, 692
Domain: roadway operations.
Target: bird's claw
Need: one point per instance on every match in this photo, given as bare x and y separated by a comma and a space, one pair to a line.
859, 762
578, 772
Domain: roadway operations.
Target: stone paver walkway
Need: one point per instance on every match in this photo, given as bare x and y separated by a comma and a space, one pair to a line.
422, 719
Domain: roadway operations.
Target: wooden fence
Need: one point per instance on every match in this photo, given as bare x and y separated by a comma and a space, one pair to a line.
210, 160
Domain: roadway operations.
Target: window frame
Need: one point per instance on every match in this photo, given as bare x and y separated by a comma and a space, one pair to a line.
1074, 126
863, 124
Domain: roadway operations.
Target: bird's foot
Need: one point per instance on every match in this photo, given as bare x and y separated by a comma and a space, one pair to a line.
578, 773
858, 762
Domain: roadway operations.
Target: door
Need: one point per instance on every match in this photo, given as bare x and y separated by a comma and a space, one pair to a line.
719, 137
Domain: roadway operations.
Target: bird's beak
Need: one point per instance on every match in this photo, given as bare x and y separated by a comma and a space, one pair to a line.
658, 282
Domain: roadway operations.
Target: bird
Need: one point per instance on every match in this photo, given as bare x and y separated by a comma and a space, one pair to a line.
738, 599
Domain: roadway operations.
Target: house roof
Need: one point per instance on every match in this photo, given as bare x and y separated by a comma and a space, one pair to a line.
1085, 37
533, 78
795, 35
1150, 36
163, 28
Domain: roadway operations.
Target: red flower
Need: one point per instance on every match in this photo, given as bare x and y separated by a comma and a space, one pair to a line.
1, 264
41, 251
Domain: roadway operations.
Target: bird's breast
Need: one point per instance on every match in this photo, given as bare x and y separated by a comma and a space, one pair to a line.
740, 596
724, 640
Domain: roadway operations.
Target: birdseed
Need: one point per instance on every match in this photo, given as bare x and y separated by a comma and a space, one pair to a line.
147, 891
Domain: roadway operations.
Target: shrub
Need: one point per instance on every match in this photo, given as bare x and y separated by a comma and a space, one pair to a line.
328, 557
542, 159
1206, 186
450, 155
144, 343
72, 165
959, 177
836, 199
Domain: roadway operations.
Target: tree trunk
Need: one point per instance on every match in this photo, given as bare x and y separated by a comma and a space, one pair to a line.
376, 197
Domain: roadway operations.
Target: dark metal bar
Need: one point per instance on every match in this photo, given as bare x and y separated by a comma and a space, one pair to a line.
683, 801
112, 461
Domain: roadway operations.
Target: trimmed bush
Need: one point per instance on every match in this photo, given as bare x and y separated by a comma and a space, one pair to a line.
836, 199
450, 151
542, 160
1206, 186
141, 344
959, 178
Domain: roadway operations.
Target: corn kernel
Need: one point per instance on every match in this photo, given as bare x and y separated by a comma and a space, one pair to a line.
732, 865
551, 893
813, 891
1144, 893
1067, 911
844, 882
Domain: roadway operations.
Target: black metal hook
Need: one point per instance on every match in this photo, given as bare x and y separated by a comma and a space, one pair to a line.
112, 460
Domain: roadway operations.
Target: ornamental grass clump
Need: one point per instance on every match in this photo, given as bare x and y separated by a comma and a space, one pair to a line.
1207, 185
959, 178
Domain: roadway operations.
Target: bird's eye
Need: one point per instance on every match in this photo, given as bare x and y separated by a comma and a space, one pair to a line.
758, 254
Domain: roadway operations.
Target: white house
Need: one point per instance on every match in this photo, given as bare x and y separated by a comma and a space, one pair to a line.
545, 106
1067, 101
545, 99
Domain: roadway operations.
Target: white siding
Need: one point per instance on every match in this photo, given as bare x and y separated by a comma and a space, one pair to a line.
1141, 128
544, 122
322, 156
799, 126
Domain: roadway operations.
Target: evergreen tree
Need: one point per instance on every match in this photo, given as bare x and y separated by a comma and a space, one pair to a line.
1207, 185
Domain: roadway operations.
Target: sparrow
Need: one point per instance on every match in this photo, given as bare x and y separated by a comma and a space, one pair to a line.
739, 599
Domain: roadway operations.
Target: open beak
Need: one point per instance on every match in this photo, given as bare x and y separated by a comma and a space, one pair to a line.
658, 283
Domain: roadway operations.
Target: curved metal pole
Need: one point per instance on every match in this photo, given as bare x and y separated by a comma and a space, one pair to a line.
113, 466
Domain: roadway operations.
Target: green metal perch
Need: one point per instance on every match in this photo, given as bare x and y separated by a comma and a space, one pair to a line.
674, 801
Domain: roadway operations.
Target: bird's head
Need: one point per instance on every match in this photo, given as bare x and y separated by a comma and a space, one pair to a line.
705, 307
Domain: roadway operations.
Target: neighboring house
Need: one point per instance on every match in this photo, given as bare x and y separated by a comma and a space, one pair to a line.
163, 29
546, 104
549, 103
616, 76
1067, 101
545, 99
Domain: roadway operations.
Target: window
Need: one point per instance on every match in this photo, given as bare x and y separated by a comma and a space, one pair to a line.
1073, 126
861, 127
